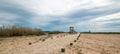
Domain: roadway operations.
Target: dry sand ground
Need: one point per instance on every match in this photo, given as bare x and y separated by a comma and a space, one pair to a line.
86, 44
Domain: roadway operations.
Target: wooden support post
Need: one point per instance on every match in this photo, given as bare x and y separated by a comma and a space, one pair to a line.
74, 40
71, 44
62, 49
30, 43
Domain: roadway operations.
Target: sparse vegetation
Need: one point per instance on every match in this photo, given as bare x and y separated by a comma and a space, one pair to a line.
71, 44
30, 43
74, 40
101, 32
87, 44
62, 49
9, 31
56, 32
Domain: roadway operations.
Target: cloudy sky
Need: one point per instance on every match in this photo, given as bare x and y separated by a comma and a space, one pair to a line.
84, 15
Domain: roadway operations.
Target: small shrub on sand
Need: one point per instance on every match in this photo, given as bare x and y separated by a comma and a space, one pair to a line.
71, 44
30, 43
62, 49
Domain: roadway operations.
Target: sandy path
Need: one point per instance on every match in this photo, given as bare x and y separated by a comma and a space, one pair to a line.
49, 46
97, 44
86, 44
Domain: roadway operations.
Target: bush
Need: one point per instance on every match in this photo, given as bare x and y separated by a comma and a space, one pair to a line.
56, 32
15, 30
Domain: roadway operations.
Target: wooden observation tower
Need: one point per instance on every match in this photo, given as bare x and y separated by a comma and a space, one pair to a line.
72, 30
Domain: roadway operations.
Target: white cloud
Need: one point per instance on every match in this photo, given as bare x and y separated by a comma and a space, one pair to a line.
5, 18
97, 24
40, 21
108, 17
47, 20
56, 7
94, 24
44, 9
59, 7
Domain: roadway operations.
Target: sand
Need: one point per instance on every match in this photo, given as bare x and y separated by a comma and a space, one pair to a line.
86, 44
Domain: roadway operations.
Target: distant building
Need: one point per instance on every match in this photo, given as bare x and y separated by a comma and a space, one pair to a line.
72, 30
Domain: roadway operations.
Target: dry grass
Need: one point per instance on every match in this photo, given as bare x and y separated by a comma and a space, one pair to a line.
14, 30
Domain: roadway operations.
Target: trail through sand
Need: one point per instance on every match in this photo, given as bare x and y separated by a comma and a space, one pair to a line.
51, 45
84, 44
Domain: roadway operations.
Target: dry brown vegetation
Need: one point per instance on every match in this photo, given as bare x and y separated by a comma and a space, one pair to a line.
14, 30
